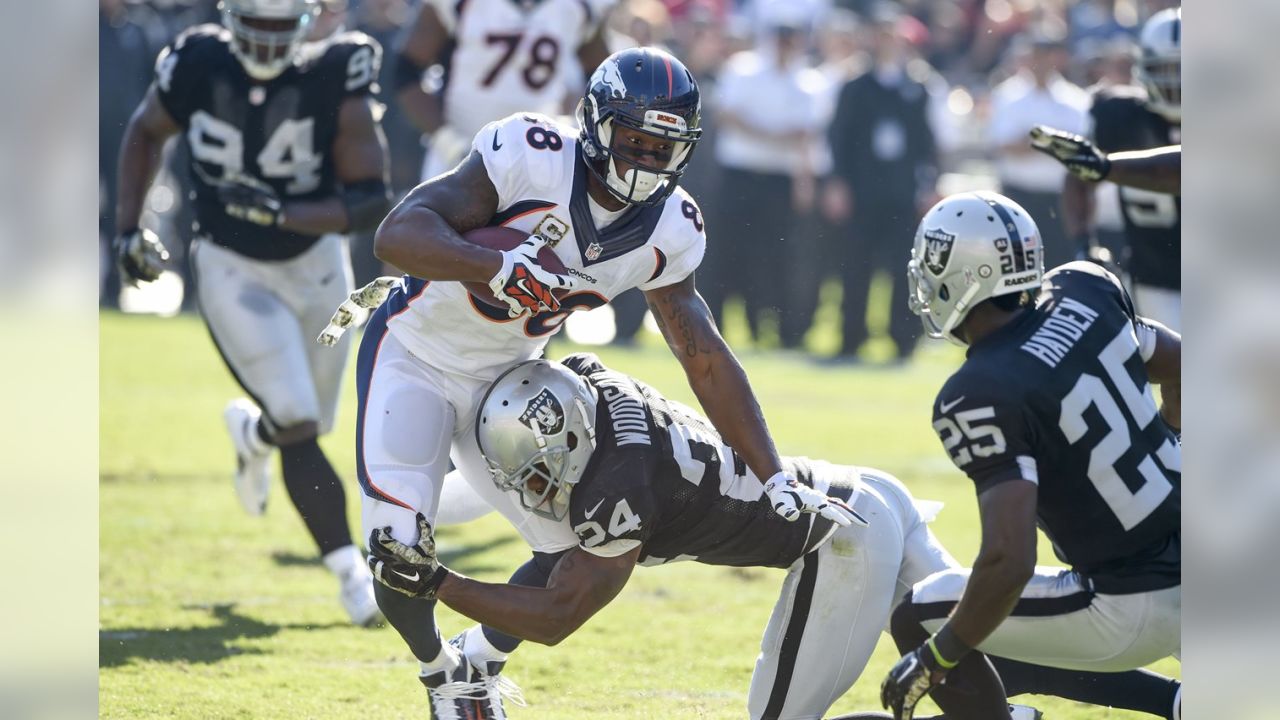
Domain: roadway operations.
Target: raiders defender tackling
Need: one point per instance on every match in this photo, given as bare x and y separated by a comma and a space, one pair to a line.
1053, 417
286, 156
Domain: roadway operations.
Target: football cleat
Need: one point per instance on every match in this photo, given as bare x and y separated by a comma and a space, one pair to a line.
358, 599
1024, 712
468, 692
253, 466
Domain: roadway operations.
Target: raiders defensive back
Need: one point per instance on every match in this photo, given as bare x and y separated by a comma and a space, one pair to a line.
286, 156
1142, 117
1052, 416
645, 480
605, 199
496, 57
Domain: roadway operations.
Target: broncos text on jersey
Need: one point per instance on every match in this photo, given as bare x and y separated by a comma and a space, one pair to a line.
1060, 397
541, 182
662, 478
277, 132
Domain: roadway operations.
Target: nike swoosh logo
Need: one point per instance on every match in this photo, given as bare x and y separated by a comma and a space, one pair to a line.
496, 145
593, 510
945, 408
411, 578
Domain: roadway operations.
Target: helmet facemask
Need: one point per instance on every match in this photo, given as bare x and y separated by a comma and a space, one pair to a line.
266, 41
535, 429
1162, 77
641, 183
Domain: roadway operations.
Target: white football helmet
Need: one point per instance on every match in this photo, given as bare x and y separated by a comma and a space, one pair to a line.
266, 33
537, 420
1160, 69
970, 247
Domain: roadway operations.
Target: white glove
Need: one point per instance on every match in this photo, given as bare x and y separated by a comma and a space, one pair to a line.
523, 284
357, 305
789, 498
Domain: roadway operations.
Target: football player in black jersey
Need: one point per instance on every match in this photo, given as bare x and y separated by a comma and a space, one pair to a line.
287, 156
1053, 417
1127, 118
1158, 170
645, 480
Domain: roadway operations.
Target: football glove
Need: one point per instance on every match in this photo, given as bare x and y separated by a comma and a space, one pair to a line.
1082, 158
355, 307
410, 569
909, 680
140, 255
250, 200
523, 284
789, 498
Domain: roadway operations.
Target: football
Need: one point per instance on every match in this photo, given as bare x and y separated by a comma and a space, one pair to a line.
504, 238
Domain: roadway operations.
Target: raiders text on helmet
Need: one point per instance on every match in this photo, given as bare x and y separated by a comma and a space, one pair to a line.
537, 422
968, 248
647, 90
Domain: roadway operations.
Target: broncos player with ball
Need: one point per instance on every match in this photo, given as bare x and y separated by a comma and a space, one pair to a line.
605, 200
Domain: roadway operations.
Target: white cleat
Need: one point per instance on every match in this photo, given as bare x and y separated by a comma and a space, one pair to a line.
253, 466
1024, 712
358, 600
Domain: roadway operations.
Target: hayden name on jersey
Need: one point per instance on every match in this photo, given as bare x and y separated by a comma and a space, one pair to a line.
661, 478
509, 56
1060, 397
541, 182
1122, 120
278, 131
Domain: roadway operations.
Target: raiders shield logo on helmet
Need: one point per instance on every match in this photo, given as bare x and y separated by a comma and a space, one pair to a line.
937, 250
544, 413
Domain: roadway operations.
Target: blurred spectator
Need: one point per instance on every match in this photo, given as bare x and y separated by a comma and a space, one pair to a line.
1036, 94
885, 170
766, 109
383, 20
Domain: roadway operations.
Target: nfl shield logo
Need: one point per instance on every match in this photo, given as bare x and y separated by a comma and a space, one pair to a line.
544, 413
937, 250
593, 251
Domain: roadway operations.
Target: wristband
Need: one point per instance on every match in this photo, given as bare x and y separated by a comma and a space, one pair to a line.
948, 650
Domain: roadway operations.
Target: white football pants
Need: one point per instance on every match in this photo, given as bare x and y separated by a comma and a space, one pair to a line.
836, 601
264, 316
412, 419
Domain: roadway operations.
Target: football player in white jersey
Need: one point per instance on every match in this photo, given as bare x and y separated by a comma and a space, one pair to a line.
605, 199
499, 57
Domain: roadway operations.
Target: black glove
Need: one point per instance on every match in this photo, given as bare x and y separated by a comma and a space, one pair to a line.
909, 680
410, 569
244, 198
1082, 158
140, 255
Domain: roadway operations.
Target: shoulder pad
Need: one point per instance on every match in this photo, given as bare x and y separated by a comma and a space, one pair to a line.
583, 363
352, 56
525, 154
1082, 274
1119, 96
202, 36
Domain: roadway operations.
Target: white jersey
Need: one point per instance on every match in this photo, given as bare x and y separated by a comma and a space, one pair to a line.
534, 164
510, 56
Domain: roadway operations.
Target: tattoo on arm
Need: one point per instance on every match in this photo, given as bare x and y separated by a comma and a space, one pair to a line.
684, 319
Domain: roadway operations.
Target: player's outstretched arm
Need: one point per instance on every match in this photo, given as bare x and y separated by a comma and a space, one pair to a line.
422, 234
715, 375
420, 50
360, 161
580, 586
1158, 169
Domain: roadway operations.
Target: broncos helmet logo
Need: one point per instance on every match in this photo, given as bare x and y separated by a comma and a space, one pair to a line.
610, 76
937, 250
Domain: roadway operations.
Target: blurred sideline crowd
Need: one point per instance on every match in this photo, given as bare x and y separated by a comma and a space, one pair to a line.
831, 125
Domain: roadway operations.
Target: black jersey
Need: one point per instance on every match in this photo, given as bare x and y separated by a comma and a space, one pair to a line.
1060, 397
1122, 120
280, 131
661, 478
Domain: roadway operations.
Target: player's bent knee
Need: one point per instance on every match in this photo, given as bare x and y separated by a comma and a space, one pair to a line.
402, 521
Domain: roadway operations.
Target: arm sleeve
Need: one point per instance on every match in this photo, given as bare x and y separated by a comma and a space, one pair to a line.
985, 433
176, 77
359, 60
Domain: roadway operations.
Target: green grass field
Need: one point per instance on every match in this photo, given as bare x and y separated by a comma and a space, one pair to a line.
208, 613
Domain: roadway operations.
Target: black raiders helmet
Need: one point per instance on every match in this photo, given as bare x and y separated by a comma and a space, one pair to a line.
647, 90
